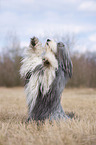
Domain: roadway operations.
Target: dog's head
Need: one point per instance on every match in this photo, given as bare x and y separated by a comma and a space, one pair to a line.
51, 45
50, 55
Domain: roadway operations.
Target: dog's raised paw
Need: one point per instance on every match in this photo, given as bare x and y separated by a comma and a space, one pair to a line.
34, 41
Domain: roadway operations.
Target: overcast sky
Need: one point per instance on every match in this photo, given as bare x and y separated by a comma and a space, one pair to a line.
46, 18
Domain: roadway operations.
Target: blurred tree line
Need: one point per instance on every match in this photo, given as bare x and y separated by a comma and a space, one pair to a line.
10, 59
84, 70
84, 65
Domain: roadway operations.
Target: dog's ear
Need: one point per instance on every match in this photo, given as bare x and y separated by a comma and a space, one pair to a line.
33, 41
64, 59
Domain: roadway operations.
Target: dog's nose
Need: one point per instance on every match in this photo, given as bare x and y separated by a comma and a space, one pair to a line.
48, 40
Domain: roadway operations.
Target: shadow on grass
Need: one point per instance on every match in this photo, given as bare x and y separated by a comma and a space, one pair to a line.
71, 115
6, 117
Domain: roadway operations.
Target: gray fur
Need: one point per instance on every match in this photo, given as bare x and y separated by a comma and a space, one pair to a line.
48, 106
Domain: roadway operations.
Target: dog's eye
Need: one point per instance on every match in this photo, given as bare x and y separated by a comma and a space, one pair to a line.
47, 43
46, 63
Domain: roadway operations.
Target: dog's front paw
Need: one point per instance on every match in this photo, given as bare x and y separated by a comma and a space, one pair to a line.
33, 41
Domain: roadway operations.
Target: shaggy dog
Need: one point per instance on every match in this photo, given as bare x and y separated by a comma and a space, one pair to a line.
46, 71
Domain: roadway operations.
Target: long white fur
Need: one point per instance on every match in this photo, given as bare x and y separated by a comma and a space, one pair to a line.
31, 60
49, 72
32, 91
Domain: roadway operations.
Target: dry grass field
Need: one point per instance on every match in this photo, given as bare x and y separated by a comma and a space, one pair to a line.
81, 130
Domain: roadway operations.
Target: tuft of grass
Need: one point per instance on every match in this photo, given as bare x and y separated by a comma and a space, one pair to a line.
80, 104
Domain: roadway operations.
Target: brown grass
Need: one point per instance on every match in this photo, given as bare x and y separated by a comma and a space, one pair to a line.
79, 131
